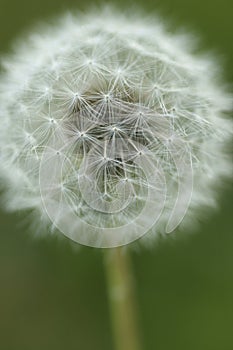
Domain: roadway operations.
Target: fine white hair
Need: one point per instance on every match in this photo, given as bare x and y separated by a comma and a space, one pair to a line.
111, 128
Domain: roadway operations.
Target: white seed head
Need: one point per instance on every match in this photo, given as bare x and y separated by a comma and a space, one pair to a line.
111, 128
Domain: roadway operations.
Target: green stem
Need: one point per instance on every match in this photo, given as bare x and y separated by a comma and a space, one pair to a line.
122, 299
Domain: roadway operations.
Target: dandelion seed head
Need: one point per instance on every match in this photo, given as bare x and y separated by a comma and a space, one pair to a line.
111, 128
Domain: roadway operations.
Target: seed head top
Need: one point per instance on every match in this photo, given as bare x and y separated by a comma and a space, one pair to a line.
111, 127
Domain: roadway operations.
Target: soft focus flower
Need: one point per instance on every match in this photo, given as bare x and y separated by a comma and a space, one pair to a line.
111, 127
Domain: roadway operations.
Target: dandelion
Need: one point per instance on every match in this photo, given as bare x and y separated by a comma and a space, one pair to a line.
111, 128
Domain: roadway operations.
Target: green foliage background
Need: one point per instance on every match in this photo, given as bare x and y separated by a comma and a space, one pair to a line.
53, 297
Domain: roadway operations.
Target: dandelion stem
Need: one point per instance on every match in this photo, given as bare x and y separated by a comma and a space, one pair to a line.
122, 299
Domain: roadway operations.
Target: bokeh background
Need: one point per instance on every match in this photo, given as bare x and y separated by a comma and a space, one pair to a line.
52, 295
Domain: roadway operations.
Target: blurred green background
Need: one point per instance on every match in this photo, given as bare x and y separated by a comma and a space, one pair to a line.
53, 296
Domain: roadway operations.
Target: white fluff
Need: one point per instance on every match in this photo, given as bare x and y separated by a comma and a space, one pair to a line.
111, 128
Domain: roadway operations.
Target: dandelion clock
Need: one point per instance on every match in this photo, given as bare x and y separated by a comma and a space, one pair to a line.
112, 130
